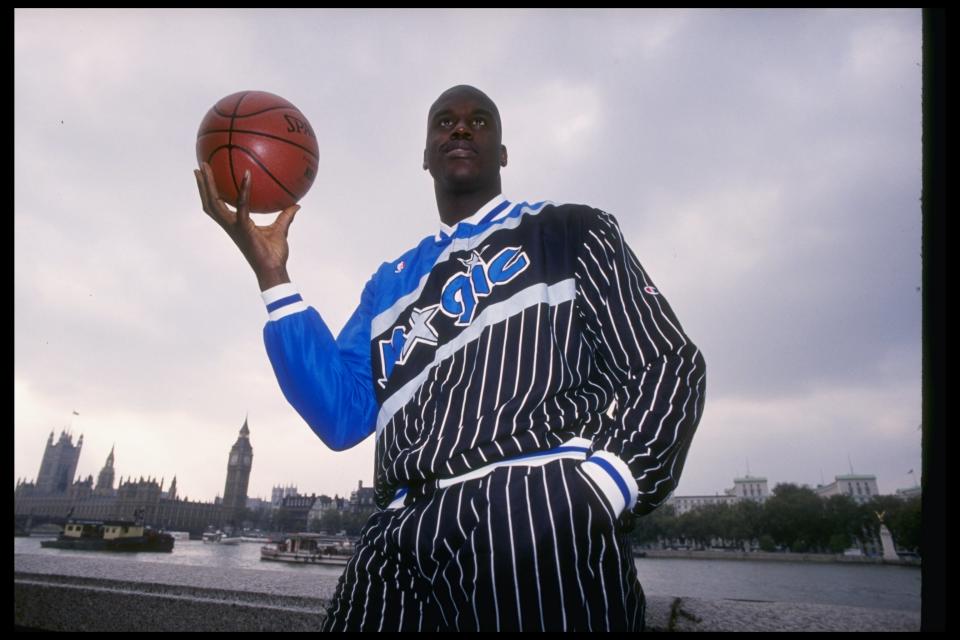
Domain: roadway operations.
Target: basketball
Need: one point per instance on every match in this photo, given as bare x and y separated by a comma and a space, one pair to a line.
265, 134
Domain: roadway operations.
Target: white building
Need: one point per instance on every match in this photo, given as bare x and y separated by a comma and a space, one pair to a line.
861, 488
683, 504
750, 488
912, 492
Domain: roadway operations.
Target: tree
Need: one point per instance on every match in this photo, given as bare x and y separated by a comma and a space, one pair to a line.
907, 526
331, 521
794, 517
901, 518
656, 525
747, 516
845, 521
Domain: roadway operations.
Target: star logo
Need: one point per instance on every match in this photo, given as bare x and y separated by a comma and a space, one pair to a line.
421, 331
473, 261
397, 347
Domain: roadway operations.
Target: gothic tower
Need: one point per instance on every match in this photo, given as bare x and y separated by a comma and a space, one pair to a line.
105, 479
59, 464
238, 478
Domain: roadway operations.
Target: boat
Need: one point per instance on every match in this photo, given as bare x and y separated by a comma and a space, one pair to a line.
308, 548
110, 535
220, 538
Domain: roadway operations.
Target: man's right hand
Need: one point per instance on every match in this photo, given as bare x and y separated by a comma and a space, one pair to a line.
265, 248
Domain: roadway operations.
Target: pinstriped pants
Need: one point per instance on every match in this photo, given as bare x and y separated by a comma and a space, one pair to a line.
522, 548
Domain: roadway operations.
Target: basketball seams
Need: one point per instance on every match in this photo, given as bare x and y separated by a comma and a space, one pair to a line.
226, 118
263, 167
233, 175
214, 152
259, 133
253, 156
256, 113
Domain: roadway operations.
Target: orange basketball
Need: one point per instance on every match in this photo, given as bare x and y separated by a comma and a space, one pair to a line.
265, 134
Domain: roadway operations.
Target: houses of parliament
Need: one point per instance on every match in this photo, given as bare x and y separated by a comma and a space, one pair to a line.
54, 495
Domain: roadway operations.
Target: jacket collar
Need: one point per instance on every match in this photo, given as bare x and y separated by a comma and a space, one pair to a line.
496, 208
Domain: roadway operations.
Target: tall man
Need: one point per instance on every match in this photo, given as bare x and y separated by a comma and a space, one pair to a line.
530, 389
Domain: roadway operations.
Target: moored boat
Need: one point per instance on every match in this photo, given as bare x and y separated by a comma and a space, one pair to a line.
308, 548
220, 537
110, 535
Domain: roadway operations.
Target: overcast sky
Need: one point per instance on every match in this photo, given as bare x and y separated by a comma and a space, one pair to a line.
763, 165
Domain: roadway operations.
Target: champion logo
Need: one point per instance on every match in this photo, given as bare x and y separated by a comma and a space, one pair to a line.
652, 291
400, 267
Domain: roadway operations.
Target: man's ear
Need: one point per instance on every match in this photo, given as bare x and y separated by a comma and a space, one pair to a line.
425, 167
503, 156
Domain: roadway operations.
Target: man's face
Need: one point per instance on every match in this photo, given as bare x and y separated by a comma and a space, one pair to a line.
463, 151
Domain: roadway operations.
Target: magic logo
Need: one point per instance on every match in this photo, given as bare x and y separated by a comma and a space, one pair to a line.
459, 298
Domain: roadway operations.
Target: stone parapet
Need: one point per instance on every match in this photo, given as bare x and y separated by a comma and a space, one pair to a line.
162, 597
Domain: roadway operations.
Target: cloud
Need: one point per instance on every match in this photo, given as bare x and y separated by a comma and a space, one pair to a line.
884, 50
764, 165
792, 437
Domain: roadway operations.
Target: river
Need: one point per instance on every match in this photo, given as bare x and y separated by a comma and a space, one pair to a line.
872, 586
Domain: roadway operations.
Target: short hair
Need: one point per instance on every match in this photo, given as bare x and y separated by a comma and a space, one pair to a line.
490, 104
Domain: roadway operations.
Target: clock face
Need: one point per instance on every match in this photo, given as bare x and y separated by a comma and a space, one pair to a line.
246, 459
234, 458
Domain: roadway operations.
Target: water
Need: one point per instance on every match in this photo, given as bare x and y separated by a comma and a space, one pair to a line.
245, 555
871, 586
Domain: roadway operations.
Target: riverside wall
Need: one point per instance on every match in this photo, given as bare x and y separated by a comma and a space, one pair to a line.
158, 597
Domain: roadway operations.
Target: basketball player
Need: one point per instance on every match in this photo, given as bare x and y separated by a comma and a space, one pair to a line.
530, 389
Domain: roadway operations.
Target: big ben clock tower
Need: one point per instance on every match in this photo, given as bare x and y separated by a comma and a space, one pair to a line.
238, 478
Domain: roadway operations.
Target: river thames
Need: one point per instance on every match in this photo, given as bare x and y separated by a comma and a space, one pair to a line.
871, 586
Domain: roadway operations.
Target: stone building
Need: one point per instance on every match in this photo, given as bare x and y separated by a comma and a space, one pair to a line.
239, 465
59, 464
55, 496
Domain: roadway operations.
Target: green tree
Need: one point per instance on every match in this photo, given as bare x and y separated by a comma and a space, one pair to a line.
656, 525
766, 543
844, 520
748, 519
331, 521
908, 526
697, 526
794, 516
902, 518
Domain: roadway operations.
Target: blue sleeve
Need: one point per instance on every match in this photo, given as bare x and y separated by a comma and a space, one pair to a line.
328, 381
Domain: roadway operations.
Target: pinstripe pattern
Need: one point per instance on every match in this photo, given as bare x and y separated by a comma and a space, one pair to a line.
523, 548
535, 369
567, 337
639, 342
